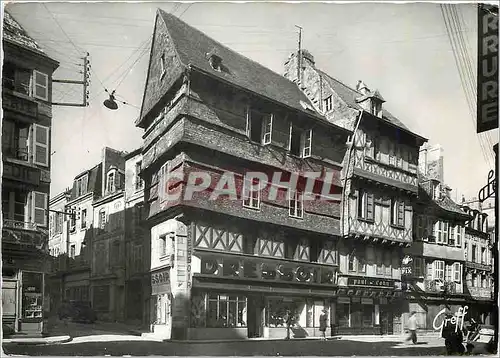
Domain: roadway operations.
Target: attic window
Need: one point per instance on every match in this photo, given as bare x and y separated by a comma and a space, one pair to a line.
376, 107
162, 64
215, 61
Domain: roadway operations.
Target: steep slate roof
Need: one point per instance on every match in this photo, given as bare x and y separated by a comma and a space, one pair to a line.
192, 46
445, 202
349, 96
14, 32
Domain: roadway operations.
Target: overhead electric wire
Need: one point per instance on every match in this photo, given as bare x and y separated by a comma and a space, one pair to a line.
64, 32
470, 76
460, 56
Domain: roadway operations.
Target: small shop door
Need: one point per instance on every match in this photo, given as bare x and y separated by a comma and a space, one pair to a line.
255, 316
9, 303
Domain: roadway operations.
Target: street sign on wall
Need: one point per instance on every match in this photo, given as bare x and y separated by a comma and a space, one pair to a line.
487, 68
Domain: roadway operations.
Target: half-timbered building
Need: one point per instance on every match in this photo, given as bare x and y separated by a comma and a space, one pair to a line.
241, 264
379, 181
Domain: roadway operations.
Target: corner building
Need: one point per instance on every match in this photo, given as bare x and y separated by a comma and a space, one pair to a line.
380, 186
233, 267
26, 124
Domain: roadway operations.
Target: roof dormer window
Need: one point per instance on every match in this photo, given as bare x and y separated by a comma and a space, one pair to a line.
112, 180
214, 60
163, 67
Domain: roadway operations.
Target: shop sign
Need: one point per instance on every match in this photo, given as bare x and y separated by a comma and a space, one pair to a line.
189, 254
21, 173
366, 301
369, 281
20, 105
160, 282
267, 270
487, 68
343, 300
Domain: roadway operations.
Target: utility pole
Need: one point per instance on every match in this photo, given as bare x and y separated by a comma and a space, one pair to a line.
299, 56
85, 82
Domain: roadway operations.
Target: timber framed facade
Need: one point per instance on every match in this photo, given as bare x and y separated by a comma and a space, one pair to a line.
234, 266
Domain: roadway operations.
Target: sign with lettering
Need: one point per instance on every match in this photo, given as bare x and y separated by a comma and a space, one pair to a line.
20, 105
487, 68
370, 282
21, 173
160, 282
266, 269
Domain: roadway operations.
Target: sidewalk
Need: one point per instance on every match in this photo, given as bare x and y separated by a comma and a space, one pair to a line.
37, 340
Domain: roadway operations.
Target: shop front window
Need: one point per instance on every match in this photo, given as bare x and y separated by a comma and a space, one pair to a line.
356, 315
343, 314
278, 309
367, 315
32, 294
226, 311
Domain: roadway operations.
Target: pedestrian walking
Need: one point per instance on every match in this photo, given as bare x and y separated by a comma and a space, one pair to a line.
323, 320
412, 327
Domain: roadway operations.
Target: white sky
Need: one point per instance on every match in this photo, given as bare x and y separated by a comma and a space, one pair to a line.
400, 49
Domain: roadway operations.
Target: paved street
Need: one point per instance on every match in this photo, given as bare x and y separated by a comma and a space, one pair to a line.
118, 345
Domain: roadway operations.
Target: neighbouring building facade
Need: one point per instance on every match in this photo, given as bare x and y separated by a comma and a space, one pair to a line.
107, 274
380, 186
71, 222
137, 244
436, 280
26, 124
479, 268
239, 265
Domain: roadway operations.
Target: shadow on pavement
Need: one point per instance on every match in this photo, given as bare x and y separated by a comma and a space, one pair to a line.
247, 348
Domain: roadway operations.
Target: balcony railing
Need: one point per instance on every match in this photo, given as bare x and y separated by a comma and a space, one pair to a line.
481, 292
16, 153
379, 230
14, 224
477, 266
439, 286
13, 85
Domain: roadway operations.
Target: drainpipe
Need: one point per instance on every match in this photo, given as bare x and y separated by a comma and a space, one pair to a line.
348, 167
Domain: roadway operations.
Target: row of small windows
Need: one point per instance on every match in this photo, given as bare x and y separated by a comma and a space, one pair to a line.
259, 129
366, 208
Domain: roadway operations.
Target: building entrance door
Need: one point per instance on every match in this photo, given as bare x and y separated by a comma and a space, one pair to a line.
385, 320
255, 316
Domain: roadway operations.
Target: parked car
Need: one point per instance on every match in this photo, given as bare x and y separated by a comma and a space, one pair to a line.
77, 311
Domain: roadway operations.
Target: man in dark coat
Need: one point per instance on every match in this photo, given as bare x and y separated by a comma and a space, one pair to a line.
323, 320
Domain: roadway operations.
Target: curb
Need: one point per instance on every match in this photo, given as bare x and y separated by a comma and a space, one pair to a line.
37, 341
249, 340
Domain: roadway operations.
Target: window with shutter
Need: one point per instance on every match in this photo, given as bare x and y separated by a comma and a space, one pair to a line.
306, 143
430, 270
41, 86
392, 156
439, 270
401, 214
446, 233
267, 129
369, 206
452, 234
449, 275
51, 225
41, 145
39, 206
457, 272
